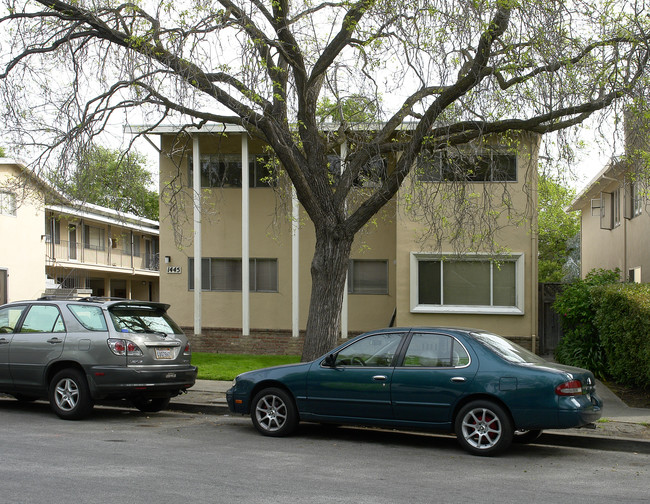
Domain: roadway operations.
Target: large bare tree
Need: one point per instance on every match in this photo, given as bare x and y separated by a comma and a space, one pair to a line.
448, 71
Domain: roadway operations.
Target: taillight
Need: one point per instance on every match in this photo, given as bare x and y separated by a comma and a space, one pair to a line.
123, 347
570, 388
187, 350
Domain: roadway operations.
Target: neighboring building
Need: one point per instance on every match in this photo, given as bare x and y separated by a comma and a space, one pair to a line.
54, 246
615, 225
393, 278
22, 234
107, 252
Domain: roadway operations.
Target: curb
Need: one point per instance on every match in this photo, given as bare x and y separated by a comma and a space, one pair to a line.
574, 438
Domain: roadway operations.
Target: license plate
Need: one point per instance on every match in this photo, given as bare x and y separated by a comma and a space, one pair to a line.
163, 353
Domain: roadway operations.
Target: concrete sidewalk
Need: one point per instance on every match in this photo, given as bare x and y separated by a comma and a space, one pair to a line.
619, 421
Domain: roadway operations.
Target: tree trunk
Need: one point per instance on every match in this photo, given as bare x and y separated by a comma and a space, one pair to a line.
328, 273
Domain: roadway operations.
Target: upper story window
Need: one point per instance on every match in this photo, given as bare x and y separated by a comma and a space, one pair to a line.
7, 203
372, 173
94, 238
225, 170
616, 204
53, 229
129, 243
637, 199
487, 166
608, 208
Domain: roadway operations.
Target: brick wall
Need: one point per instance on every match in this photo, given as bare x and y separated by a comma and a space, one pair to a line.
231, 341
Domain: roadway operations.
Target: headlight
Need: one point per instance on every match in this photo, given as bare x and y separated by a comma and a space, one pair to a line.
234, 382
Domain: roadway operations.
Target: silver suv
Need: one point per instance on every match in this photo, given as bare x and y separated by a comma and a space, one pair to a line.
77, 352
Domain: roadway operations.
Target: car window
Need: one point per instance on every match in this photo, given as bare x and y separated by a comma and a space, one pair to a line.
506, 349
143, 319
91, 317
435, 350
43, 319
375, 350
9, 316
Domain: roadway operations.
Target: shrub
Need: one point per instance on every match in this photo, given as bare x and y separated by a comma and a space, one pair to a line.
623, 322
581, 344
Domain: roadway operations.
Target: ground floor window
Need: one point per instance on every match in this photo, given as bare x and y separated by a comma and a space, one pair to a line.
467, 284
224, 274
368, 276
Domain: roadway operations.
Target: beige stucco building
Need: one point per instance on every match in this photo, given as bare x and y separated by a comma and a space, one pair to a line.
54, 246
615, 223
22, 232
394, 276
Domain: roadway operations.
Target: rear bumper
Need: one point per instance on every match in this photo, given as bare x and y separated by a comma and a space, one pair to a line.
576, 411
119, 382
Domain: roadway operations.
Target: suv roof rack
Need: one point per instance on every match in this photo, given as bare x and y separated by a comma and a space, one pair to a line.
52, 297
101, 299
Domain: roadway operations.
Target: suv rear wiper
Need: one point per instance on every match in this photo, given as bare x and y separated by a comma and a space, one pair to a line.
159, 333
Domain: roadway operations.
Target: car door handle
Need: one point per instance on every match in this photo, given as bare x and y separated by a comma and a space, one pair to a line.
458, 379
380, 377
4, 341
55, 340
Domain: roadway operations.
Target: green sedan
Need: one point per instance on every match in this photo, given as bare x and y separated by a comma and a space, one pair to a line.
484, 388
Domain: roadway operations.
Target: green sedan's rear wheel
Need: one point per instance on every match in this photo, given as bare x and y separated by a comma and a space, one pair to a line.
273, 412
483, 428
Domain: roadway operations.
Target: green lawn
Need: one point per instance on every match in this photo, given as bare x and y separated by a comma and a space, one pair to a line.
227, 366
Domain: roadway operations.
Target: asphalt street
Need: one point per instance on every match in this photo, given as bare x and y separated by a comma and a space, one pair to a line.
122, 455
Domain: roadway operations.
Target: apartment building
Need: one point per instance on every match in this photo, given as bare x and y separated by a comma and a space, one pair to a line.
395, 277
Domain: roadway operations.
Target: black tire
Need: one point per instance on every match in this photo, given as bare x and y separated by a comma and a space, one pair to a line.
151, 404
274, 413
526, 436
69, 395
483, 428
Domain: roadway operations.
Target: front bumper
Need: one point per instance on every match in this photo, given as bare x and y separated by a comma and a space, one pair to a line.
149, 381
237, 403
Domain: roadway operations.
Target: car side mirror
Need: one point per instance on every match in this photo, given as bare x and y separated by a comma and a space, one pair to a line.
330, 360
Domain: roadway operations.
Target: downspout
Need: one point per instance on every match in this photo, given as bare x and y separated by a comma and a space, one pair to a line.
534, 271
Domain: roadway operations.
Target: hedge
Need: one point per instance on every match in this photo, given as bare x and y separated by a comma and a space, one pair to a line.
622, 320
581, 344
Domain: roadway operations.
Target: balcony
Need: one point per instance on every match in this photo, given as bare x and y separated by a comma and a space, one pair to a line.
75, 252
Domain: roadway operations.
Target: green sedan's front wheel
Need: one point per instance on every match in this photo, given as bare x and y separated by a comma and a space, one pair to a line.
483, 428
274, 413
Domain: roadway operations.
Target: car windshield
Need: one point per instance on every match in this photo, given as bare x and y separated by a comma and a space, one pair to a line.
506, 349
143, 319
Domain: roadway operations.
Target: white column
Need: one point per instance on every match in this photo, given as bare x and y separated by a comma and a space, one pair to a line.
245, 245
295, 264
344, 306
196, 184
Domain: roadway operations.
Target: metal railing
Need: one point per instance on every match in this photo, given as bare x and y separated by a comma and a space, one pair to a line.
76, 252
